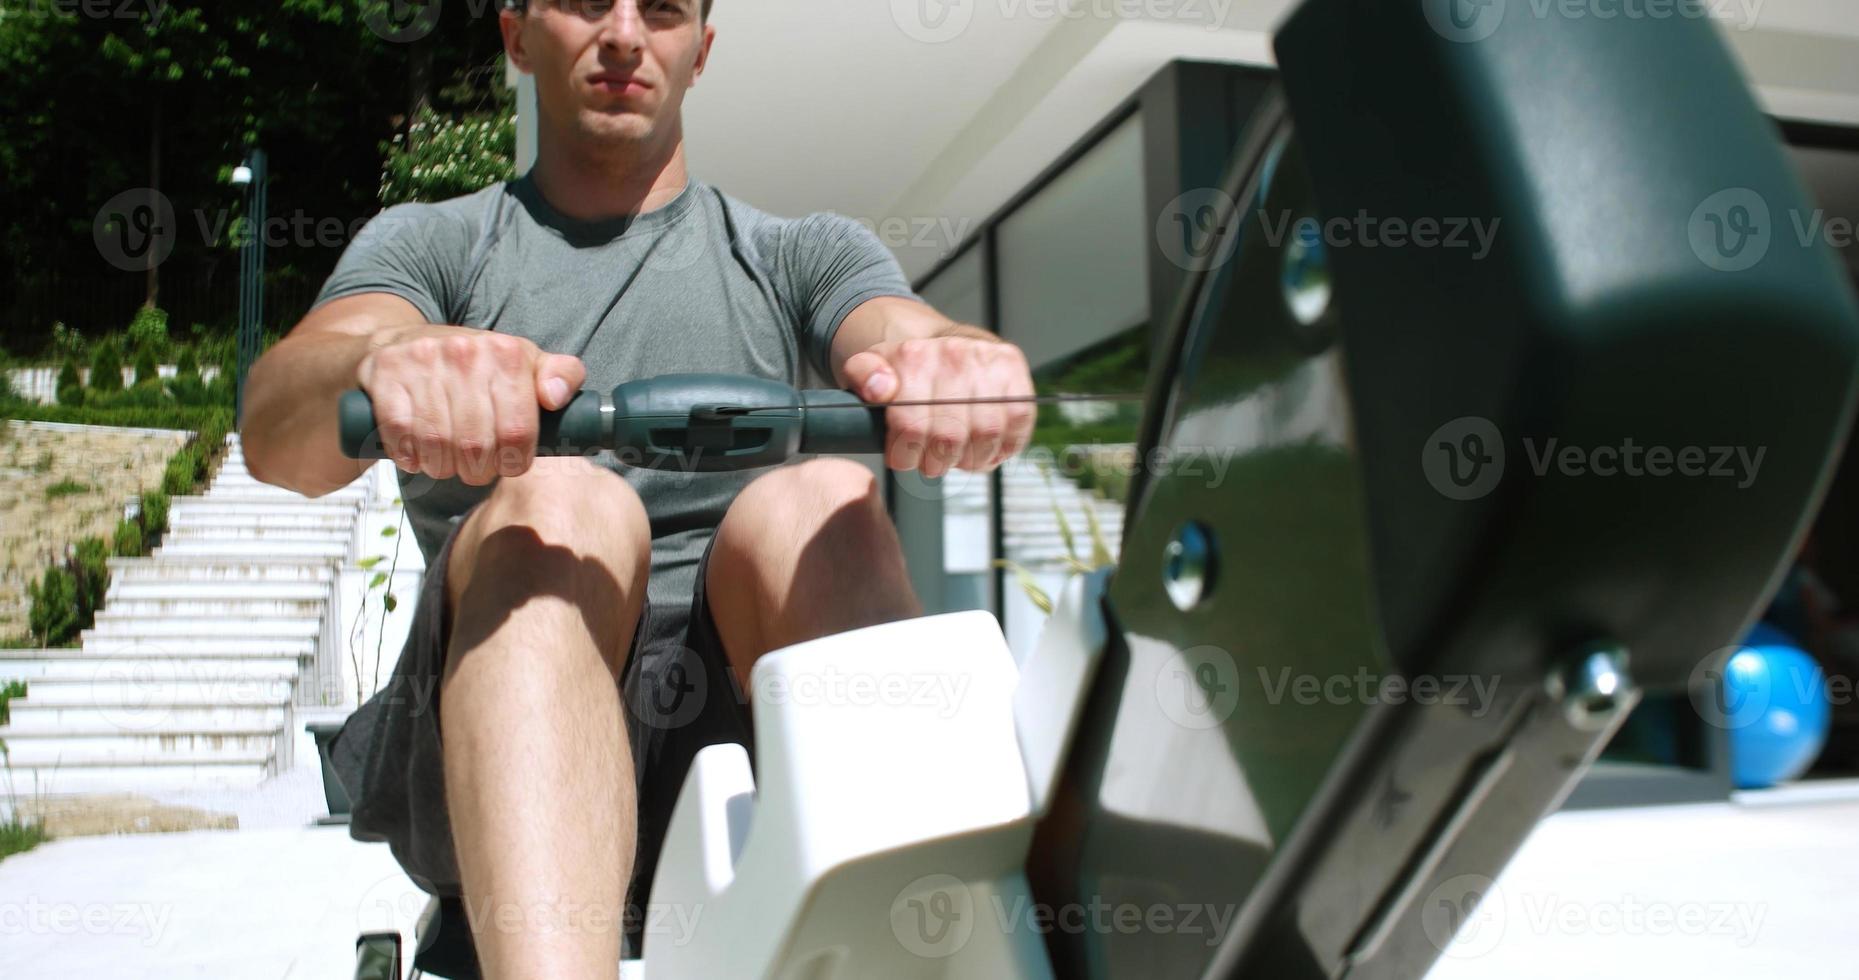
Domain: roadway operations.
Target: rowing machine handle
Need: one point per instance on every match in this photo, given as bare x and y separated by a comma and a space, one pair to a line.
686, 422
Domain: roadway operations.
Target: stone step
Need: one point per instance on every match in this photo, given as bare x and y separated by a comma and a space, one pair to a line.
172, 776
263, 508
198, 532
153, 696
264, 493
211, 568
308, 609
319, 520
198, 647
256, 548
183, 590
54, 718
107, 746
110, 622
76, 668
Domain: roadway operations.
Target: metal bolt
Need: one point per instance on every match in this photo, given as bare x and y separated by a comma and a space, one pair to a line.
1307, 287
1189, 565
1595, 687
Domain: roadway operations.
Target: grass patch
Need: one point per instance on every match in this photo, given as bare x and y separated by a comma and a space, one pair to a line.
18, 838
67, 488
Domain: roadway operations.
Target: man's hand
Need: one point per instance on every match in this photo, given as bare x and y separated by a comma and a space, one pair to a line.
454, 401
956, 363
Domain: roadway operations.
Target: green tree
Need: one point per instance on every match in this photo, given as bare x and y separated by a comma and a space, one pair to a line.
106, 369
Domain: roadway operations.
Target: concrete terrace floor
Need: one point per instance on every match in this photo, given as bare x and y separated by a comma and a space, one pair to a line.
1748, 890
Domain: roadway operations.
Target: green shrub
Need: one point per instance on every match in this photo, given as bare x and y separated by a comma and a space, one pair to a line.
70, 385
128, 539
442, 157
169, 416
189, 390
178, 479
188, 365
53, 618
106, 369
146, 368
8, 393
148, 332
154, 515
91, 578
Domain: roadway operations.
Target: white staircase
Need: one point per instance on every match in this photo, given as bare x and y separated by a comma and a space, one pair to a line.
202, 653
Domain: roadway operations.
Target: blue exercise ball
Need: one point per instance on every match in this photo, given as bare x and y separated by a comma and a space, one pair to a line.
1777, 712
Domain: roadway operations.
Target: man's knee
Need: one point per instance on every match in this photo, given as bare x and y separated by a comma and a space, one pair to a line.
568, 503
796, 504
565, 521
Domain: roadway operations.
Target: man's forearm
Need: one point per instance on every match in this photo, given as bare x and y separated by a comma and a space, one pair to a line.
290, 426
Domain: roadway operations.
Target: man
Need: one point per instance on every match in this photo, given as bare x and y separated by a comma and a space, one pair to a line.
564, 597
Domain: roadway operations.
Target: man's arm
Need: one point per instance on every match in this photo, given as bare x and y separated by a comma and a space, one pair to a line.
290, 425
894, 349
450, 401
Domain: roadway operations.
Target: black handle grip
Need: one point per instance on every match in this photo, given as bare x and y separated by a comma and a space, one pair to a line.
577, 430
689, 422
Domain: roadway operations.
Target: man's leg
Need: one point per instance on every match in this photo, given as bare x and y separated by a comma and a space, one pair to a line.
804, 552
544, 588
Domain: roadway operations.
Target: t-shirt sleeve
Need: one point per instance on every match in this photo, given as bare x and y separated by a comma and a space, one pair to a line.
417, 252
832, 265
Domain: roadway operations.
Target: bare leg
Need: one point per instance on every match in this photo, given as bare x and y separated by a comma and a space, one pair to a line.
806, 551
545, 585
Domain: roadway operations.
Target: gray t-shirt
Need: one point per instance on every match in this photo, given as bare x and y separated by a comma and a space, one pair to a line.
705, 283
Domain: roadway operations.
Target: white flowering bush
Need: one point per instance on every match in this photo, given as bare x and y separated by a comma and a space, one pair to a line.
441, 157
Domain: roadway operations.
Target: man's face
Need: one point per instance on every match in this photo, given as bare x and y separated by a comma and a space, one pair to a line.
613, 71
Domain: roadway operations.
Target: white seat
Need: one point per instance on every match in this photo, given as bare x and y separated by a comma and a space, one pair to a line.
894, 811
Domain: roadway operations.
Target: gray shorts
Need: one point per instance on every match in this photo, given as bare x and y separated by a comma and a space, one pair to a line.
678, 696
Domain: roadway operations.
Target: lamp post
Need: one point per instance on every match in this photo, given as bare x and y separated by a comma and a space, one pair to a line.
250, 175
